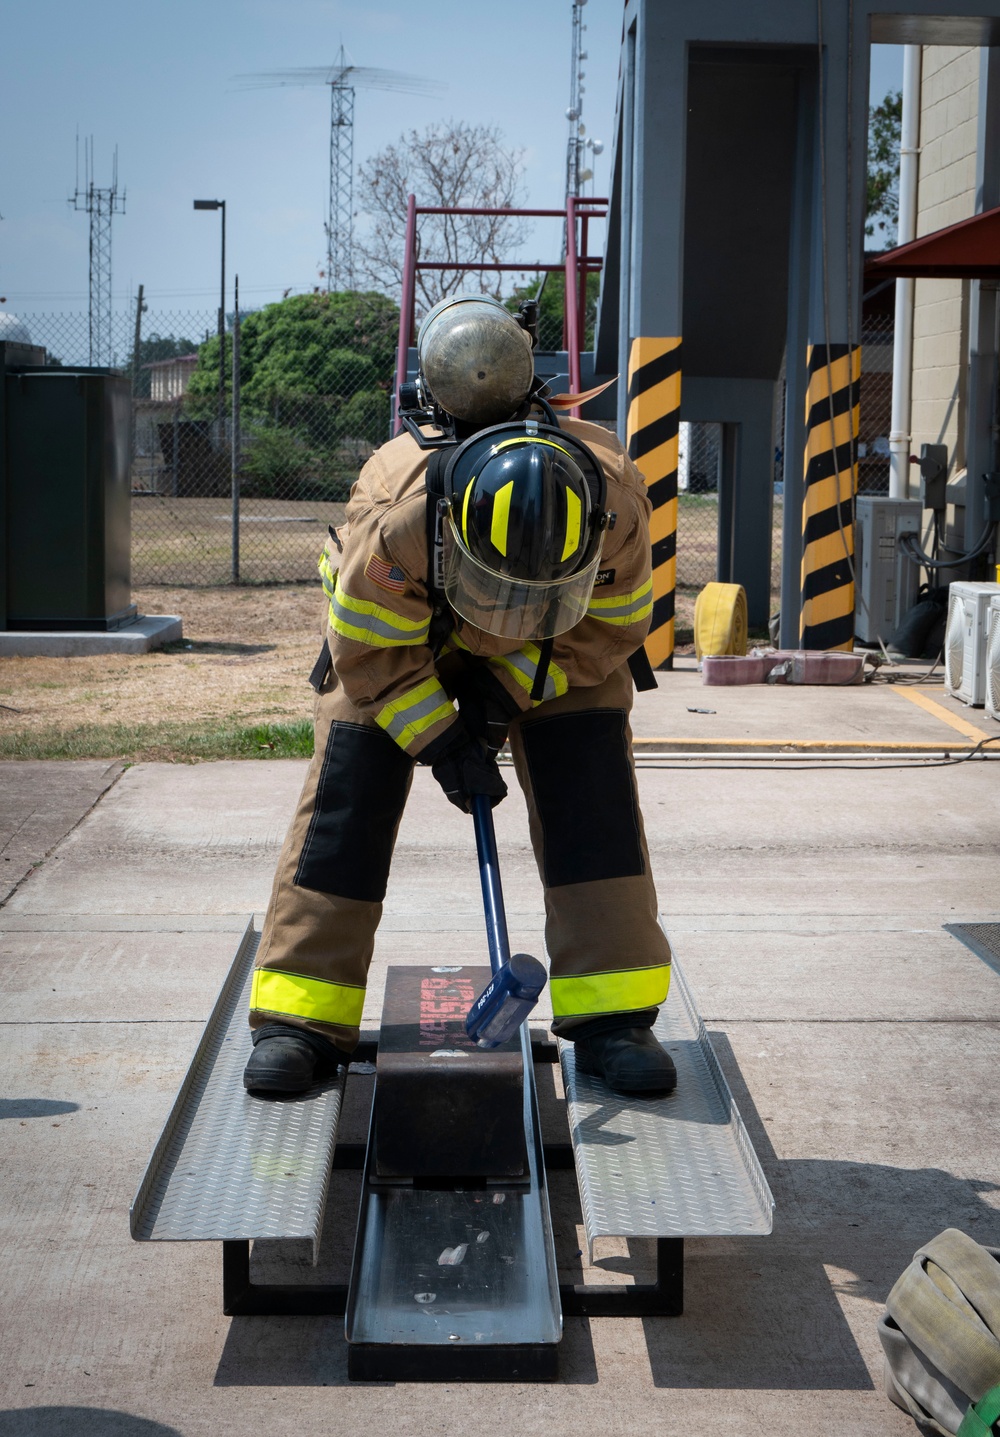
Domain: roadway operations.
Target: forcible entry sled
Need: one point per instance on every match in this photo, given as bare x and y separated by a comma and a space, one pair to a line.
454, 1271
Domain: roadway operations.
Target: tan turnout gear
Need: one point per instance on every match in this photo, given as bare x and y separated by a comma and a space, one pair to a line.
386, 699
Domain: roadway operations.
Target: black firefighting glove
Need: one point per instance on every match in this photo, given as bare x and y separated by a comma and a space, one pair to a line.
484, 704
463, 767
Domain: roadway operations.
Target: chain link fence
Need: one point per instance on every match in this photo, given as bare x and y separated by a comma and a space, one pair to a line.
313, 385
314, 381
877, 331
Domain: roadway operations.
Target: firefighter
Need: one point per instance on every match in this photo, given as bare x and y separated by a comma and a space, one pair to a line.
506, 605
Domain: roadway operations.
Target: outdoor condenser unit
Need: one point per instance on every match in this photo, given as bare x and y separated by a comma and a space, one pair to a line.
887, 578
965, 641
993, 658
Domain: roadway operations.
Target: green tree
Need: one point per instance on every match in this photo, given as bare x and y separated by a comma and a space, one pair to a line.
882, 209
315, 380
552, 308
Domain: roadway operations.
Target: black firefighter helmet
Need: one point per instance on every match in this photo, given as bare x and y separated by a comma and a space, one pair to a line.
524, 529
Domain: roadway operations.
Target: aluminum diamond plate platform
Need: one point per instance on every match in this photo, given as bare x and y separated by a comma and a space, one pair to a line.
982, 938
674, 1167
228, 1166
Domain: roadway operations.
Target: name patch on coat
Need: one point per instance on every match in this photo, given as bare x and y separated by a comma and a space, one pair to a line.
604, 576
387, 576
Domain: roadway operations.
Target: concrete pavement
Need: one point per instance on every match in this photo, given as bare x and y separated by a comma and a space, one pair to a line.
806, 900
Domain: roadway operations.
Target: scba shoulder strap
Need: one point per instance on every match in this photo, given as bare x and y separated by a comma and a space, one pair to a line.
441, 619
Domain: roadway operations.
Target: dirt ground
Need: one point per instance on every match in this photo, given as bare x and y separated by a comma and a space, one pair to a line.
245, 657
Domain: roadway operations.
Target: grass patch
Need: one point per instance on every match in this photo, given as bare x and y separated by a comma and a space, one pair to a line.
164, 743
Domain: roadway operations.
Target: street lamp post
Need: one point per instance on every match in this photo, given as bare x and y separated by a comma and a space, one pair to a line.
220, 205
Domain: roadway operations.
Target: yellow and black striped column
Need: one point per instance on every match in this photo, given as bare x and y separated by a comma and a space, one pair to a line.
832, 415
654, 406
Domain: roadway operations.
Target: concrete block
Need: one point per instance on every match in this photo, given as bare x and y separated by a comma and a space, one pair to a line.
151, 631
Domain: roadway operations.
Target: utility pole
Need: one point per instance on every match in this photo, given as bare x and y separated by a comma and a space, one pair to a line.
139, 307
102, 205
220, 205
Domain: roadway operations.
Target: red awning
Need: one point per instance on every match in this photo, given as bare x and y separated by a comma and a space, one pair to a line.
968, 250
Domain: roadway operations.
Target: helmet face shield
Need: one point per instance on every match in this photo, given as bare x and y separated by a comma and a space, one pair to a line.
509, 607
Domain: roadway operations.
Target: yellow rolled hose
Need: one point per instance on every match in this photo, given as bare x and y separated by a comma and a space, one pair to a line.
720, 620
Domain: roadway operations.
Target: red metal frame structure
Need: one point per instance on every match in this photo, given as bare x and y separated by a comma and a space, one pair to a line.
576, 267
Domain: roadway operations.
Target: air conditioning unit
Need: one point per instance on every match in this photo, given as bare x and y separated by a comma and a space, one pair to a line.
993, 658
965, 641
887, 578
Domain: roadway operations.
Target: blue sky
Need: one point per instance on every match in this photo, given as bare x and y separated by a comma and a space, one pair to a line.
157, 80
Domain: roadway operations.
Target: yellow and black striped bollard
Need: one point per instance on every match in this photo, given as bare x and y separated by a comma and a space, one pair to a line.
832, 416
654, 405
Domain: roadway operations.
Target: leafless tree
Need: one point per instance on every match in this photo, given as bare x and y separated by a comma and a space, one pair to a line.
448, 164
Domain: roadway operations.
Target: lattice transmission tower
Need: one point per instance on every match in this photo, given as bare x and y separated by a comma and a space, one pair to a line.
102, 205
343, 78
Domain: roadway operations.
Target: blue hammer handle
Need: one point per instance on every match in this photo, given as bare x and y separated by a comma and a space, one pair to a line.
489, 877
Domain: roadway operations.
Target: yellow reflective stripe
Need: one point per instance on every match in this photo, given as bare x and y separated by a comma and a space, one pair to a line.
373, 624
522, 666
300, 997
624, 608
530, 439
574, 524
328, 574
465, 509
501, 517
406, 718
619, 992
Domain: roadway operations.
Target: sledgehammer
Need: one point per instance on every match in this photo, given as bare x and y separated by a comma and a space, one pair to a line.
513, 990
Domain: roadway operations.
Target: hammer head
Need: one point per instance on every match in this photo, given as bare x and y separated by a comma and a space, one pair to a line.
506, 1001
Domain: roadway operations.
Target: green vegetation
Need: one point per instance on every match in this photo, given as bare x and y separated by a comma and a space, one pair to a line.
315, 381
884, 126
553, 305
153, 742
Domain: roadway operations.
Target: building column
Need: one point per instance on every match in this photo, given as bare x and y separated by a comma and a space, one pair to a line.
833, 357
656, 273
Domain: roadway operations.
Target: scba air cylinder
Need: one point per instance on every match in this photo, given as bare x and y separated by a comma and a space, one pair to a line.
475, 359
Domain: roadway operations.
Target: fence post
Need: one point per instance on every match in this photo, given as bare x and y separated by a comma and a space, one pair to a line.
235, 436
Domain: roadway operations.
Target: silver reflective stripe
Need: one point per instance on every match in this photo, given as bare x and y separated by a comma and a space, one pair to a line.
628, 605
413, 713
355, 619
526, 665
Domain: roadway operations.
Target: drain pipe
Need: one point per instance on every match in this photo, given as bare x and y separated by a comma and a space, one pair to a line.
902, 344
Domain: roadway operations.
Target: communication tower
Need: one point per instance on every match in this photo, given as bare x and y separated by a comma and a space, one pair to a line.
343, 78
101, 205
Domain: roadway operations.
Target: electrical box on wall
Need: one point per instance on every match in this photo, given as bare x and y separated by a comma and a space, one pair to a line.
887, 579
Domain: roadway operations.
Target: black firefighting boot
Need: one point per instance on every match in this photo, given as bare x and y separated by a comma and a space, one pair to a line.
629, 1059
289, 1060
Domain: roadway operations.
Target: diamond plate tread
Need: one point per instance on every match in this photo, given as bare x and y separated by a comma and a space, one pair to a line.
982, 938
681, 1166
230, 1166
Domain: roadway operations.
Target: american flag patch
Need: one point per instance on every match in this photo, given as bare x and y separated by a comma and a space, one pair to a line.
387, 576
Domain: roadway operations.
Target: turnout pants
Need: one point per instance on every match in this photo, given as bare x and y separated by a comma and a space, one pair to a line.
573, 758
